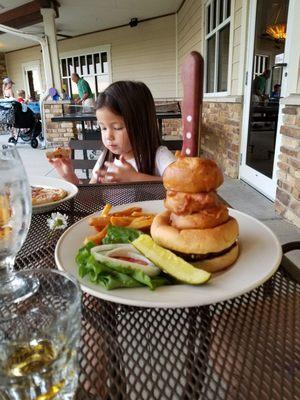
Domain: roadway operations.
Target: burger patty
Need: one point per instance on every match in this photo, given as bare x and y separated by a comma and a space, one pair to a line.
207, 256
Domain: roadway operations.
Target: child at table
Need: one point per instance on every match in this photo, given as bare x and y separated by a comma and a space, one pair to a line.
132, 152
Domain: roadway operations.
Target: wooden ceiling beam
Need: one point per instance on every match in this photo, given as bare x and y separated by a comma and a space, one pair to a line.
49, 4
28, 14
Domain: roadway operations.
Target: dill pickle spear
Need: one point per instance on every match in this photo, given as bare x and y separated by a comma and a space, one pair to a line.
169, 262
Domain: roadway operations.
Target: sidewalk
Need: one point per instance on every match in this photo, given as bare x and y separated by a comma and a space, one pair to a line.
237, 193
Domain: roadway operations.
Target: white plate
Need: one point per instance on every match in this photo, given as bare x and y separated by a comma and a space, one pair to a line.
47, 182
260, 256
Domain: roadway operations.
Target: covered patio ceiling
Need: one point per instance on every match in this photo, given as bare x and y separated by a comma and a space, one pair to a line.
76, 17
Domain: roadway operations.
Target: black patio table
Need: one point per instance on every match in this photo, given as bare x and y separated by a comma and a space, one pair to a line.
244, 348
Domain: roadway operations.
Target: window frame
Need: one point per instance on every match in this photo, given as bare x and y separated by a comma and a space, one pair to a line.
84, 53
216, 32
265, 58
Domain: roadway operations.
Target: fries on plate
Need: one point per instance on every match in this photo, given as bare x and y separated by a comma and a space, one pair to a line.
132, 217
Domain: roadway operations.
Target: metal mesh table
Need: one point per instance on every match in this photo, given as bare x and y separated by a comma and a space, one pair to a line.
245, 348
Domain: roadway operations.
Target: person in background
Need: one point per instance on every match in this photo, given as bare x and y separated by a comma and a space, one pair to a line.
7, 88
21, 96
86, 97
276, 91
64, 95
132, 152
259, 86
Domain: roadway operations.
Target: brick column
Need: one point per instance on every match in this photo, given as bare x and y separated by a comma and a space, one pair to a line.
170, 127
220, 134
288, 185
57, 133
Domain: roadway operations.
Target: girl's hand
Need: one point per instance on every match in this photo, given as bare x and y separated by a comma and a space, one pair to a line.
64, 168
113, 173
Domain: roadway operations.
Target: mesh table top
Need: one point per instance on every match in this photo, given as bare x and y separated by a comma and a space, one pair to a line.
245, 348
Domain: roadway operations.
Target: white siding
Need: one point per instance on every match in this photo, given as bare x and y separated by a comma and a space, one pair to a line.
14, 61
237, 30
189, 33
146, 53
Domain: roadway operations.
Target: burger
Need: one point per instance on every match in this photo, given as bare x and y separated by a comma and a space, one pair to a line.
196, 225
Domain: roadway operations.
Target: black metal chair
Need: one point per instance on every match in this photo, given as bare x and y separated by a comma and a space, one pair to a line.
292, 269
84, 145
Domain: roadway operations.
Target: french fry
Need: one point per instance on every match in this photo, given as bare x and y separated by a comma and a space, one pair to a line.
96, 239
141, 222
5, 210
4, 216
126, 212
142, 214
121, 221
106, 210
4, 232
99, 222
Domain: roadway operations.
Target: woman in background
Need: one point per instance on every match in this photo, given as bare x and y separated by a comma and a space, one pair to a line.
7, 88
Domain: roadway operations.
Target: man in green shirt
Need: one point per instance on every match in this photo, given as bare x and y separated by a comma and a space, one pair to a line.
259, 86
86, 97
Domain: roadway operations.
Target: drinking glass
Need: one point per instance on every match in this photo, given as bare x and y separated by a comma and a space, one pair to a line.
39, 339
15, 217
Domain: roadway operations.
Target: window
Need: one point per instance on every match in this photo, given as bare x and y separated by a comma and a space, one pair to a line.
91, 65
261, 62
217, 29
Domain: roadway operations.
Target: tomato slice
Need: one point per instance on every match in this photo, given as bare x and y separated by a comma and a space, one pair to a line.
130, 259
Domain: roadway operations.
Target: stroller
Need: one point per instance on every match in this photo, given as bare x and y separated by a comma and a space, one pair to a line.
27, 124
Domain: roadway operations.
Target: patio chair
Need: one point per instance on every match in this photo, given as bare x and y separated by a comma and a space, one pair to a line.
168, 111
83, 147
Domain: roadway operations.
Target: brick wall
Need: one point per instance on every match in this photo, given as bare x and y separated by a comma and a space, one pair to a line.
3, 71
170, 127
57, 133
288, 185
220, 135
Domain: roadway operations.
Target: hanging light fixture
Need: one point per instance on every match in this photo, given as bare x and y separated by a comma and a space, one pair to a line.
277, 31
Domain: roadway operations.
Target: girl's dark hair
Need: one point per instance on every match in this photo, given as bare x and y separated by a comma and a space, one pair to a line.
134, 102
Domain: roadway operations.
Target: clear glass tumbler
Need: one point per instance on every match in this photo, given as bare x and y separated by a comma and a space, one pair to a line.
39, 339
15, 217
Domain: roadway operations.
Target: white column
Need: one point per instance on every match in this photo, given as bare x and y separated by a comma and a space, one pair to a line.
50, 32
292, 49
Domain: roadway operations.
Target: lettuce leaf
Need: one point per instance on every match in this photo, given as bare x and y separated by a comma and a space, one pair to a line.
120, 234
114, 276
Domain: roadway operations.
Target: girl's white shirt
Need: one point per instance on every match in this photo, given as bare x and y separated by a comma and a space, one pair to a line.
163, 158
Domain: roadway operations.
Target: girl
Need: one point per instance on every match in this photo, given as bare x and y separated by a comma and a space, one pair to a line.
126, 114
7, 88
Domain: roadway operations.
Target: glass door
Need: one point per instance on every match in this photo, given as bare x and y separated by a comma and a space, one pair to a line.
32, 80
263, 93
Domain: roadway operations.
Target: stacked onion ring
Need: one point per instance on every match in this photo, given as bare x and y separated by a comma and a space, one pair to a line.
196, 224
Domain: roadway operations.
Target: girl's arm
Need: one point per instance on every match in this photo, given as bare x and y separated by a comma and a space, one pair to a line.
64, 168
94, 179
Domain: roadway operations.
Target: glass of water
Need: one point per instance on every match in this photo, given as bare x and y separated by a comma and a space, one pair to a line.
39, 340
15, 217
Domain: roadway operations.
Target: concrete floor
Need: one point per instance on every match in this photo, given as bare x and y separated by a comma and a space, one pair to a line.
238, 194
